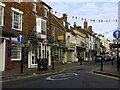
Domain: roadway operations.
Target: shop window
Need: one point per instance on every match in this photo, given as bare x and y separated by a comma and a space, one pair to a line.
16, 51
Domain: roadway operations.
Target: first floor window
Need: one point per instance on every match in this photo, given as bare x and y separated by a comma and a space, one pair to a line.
18, 1
43, 27
16, 51
45, 12
1, 15
17, 19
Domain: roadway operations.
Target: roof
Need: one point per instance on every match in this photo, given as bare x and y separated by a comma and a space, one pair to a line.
55, 19
45, 4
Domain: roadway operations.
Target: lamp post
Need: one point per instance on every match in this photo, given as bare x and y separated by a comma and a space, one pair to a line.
117, 35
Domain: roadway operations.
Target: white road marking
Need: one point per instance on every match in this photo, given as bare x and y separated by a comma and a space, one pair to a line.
62, 76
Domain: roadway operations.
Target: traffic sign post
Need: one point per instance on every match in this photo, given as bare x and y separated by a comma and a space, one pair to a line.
45, 42
116, 35
20, 38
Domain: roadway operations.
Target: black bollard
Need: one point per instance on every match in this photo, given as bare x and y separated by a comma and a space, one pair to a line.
101, 63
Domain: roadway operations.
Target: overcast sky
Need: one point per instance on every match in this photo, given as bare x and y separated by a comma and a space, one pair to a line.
89, 9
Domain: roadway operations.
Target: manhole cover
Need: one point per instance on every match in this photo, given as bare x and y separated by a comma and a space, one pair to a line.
61, 76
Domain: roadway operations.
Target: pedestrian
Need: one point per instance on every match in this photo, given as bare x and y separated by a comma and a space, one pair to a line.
80, 59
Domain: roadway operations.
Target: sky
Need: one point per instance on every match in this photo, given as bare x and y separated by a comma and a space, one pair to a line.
89, 9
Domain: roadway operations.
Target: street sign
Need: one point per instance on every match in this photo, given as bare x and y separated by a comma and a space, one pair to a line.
45, 41
20, 38
116, 34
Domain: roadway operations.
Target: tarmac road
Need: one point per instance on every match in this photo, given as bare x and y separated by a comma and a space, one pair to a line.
78, 77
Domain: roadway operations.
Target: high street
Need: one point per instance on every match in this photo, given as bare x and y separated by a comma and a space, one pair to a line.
76, 77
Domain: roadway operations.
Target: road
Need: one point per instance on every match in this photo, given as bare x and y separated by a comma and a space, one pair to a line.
80, 77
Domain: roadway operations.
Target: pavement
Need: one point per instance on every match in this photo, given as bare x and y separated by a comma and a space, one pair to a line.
110, 70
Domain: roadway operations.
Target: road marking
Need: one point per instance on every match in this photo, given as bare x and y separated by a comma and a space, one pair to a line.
104, 75
62, 76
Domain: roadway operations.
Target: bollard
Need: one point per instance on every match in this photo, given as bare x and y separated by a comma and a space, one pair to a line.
101, 63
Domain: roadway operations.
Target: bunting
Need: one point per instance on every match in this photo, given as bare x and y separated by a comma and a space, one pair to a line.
87, 19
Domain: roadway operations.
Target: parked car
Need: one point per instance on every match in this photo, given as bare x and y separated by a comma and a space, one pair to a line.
104, 58
98, 58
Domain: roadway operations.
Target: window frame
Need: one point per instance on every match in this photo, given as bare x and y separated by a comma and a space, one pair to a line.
18, 50
18, 1
43, 31
3, 8
34, 8
45, 12
20, 19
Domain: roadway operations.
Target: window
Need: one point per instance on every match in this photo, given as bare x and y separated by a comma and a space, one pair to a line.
43, 26
45, 12
18, 1
34, 7
64, 23
1, 15
17, 20
16, 51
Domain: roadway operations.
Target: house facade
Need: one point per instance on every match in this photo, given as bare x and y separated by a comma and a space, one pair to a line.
28, 19
58, 33
105, 42
71, 39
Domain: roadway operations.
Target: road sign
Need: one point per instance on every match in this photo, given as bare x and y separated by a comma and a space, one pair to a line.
20, 38
116, 34
45, 41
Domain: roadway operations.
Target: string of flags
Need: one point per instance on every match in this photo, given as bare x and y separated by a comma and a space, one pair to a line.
87, 19
108, 32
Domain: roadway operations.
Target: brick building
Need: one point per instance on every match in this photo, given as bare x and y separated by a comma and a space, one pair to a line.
28, 19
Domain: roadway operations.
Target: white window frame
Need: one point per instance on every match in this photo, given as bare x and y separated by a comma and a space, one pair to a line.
45, 12
64, 23
2, 17
18, 1
17, 50
39, 26
34, 7
42, 20
20, 19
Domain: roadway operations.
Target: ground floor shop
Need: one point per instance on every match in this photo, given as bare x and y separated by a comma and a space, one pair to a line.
41, 53
10, 53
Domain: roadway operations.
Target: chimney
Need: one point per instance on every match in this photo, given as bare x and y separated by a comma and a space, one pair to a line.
85, 24
65, 17
75, 25
90, 28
